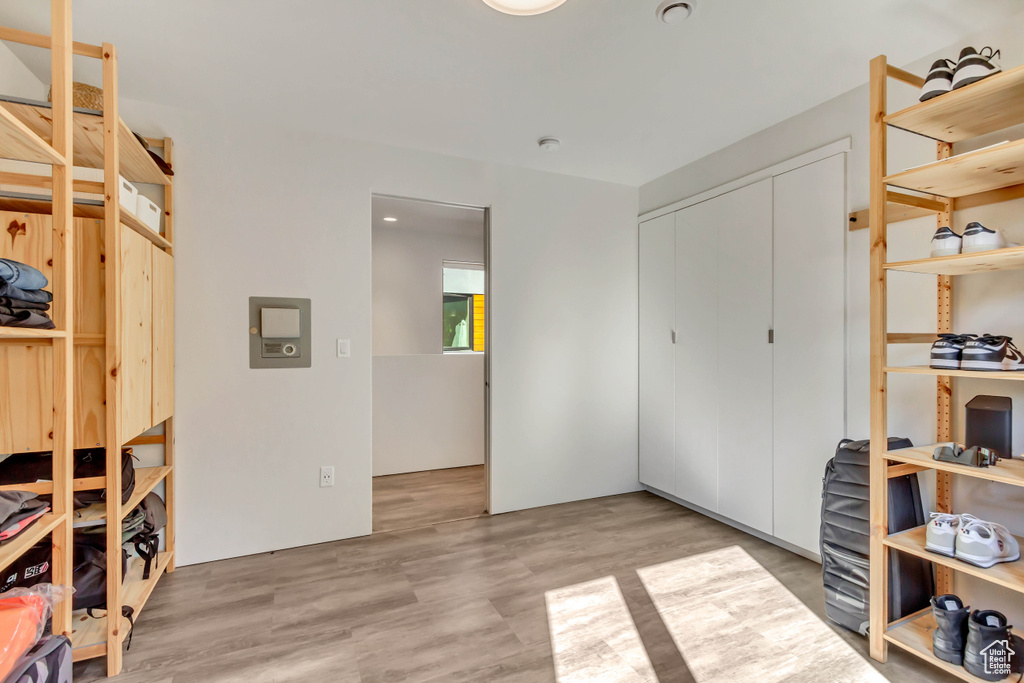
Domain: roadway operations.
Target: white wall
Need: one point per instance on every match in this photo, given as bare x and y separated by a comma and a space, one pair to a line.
428, 407
16, 79
407, 285
265, 210
981, 302
428, 412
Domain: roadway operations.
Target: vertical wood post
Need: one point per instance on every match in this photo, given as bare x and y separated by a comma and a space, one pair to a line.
63, 305
112, 248
879, 429
169, 534
944, 384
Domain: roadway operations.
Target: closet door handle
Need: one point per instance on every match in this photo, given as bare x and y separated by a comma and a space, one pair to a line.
771, 336
673, 336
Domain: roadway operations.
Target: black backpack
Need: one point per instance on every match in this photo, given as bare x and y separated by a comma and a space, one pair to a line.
147, 541
90, 572
89, 462
48, 661
31, 568
92, 462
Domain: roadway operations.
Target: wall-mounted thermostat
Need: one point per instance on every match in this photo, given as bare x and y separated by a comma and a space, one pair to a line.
279, 333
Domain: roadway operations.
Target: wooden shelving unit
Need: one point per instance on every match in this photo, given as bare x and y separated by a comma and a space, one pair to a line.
111, 359
953, 182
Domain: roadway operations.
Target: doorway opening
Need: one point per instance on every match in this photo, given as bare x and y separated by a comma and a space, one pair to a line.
431, 312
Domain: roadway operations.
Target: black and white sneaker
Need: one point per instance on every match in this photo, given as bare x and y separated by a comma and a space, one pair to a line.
991, 353
973, 66
939, 81
945, 242
948, 349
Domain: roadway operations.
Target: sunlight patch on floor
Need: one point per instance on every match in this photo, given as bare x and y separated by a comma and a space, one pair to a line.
593, 637
734, 621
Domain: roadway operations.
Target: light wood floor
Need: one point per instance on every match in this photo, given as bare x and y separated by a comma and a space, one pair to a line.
463, 601
408, 501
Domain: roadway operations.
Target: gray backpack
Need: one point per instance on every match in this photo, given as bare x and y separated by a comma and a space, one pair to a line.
48, 661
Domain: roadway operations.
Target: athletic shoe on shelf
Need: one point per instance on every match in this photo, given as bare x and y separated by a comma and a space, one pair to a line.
973, 66
947, 351
991, 352
945, 242
979, 238
940, 534
939, 81
985, 543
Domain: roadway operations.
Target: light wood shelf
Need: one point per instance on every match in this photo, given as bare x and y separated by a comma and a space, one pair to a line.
30, 333
1007, 574
986, 169
13, 549
19, 142
82, 209
1008, 471
1011, 258
915, 636
146, 479
89, 634
136, 164
976, 374
989, 105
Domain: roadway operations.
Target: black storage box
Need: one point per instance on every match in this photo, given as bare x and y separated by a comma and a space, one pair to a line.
990, 424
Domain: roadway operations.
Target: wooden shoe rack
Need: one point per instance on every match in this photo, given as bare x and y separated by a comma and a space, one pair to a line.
954, 182
105, 375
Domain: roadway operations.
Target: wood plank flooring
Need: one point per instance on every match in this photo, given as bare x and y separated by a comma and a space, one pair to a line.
463, 601
408, 501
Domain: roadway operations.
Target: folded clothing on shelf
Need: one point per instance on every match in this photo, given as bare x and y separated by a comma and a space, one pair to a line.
21, 275
19, 303
18, 511
23, 301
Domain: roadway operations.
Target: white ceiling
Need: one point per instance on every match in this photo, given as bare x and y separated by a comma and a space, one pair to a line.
427, 216
631, 98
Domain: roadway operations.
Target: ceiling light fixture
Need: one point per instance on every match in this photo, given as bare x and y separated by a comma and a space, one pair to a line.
674, 11
390, 219
549, 144
524, 7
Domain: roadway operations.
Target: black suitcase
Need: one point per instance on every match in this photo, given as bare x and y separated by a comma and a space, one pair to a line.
845, 539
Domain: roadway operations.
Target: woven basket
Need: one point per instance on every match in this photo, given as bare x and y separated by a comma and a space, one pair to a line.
84, 96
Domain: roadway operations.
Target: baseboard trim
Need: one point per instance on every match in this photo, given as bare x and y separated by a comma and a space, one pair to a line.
785, 545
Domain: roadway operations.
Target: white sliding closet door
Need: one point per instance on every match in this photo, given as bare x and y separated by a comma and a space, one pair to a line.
657, 379
696, 353
810, 229
744, 226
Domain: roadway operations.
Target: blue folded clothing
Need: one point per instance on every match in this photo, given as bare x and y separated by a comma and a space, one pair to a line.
37, 296
20, 275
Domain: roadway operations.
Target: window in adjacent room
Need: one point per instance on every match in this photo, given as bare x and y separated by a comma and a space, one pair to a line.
462, 312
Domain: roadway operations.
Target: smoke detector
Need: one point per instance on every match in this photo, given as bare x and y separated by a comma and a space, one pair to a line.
549, 144
674, 12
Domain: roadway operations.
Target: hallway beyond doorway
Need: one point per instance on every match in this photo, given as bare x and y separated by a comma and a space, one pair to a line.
418, 499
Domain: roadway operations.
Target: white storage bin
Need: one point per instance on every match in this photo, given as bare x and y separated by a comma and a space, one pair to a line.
127, 194
149, 213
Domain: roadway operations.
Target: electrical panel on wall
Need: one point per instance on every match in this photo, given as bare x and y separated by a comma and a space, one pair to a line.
279, 333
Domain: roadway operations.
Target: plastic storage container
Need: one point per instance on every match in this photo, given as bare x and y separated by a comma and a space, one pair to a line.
149, 213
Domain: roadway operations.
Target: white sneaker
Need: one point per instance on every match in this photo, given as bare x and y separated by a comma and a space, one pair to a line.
945, 242
985, 543
979, 238
972, 66
940, 533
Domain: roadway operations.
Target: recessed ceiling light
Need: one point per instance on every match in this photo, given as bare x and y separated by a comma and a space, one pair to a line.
524, 7
549, 144
674, 11
390, 219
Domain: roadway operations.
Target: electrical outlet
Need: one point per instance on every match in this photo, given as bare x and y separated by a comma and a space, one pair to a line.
326, 477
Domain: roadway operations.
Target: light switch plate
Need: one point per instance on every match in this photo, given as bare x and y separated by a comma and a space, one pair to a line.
344, 348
